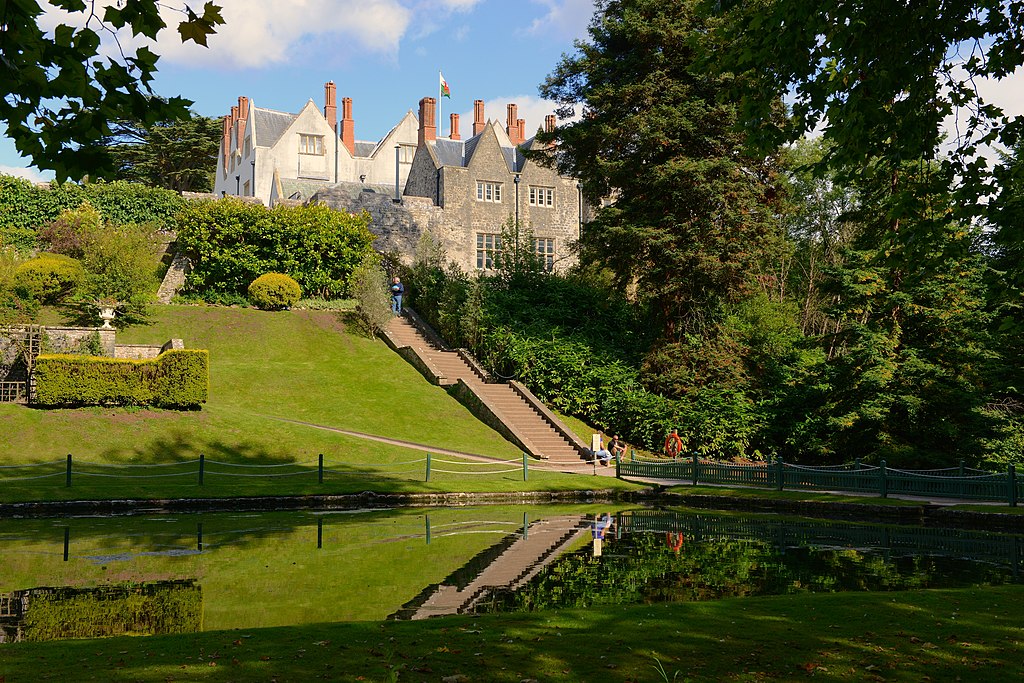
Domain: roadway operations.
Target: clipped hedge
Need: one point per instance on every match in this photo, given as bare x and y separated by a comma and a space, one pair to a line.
48, 278
177, 378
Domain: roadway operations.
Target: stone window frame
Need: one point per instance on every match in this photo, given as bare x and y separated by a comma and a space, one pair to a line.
311, 144
542, 196
406, 153
544, 249
488, 191
488, 250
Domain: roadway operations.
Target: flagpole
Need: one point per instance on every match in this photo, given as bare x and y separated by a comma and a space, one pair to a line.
439, 77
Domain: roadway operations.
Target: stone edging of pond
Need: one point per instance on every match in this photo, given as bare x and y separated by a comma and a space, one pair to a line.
366, 499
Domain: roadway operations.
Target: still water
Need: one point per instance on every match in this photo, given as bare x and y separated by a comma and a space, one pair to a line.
93, 577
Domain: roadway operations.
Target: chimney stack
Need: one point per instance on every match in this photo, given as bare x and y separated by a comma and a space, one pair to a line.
243, 115
225, 140
331, 105
348, 126
454, 135
428, 120
521, 125
549, 123
478, 117
512, 123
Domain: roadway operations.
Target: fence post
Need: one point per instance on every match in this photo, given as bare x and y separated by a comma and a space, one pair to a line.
618, 461
319, 533
67, 542
883, 483
1012, 478
779, 473
962, 484
856, 464
67, 476
428, 478
320, 470
202, 468
695, 463
526, 466
632, 455
426, 523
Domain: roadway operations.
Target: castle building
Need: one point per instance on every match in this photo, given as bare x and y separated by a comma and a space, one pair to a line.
273, 155
463, 191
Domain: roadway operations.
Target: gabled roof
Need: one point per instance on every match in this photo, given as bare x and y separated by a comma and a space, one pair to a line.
270, 125
460, 152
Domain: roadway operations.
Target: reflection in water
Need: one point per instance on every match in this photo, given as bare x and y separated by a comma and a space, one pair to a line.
278, 569
41, 614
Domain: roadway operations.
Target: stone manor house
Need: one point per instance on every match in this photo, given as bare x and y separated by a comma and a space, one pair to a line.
463, 191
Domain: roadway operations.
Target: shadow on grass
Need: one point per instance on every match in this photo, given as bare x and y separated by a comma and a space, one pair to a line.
909, 636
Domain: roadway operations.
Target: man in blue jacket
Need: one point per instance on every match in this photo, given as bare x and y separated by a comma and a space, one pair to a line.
397, 290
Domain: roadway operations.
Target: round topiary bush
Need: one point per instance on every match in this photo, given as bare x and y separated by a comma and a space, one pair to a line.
274, 291
48, 278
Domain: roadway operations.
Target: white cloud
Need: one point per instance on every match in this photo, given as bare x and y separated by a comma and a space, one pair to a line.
261, 32
1006, 93
564, 19
28, 173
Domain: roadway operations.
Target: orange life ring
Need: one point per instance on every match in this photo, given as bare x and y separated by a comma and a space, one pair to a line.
673, 445
674, 541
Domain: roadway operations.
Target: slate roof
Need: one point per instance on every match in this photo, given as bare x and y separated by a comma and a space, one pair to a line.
364, 149
459, 152
301, 189
270, 125
450, 152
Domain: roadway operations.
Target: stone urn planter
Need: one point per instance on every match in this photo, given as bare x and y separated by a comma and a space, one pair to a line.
107, 314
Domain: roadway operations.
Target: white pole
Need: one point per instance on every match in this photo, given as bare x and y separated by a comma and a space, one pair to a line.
439, 79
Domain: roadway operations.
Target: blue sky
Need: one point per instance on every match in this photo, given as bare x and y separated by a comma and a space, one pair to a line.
385, 55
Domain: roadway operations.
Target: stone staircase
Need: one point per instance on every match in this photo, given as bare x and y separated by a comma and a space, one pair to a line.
509, 407
174, 278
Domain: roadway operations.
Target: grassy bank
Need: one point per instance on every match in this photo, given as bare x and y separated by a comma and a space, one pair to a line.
302, 365
940, 635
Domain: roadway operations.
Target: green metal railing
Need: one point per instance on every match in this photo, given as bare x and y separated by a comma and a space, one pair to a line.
956, 482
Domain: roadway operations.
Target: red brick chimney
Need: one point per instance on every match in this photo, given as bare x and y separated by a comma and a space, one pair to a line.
512, 123
243, 116
478, 117
521, 125
454, 135
428, 120
225, 140
348, 126
331, 105
549, 123
234, 121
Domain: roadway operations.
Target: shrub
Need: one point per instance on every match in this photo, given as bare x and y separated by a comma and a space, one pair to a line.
274, 291
120, 260
370, 289
178, 378
49, 278
231, 243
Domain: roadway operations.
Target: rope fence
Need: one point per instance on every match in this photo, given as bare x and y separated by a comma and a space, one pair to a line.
198, 469
959, 483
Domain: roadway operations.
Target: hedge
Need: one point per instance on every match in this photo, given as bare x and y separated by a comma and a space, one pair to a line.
177, 378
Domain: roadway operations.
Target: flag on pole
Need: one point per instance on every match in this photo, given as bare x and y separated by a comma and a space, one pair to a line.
445, 90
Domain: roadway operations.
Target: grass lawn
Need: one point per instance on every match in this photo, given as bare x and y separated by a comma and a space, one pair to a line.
298, 365
931, 635
741, 492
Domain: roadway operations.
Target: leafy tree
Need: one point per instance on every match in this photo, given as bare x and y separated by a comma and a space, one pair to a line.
179, 155
60, 90
692, 215
880, 77
907, 380
370, 290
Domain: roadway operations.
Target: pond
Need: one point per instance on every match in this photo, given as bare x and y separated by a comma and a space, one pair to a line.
93, 577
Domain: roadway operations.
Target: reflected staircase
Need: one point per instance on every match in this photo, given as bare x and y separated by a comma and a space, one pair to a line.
545, 541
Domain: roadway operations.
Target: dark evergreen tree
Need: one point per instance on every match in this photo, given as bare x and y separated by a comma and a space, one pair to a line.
178, 155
